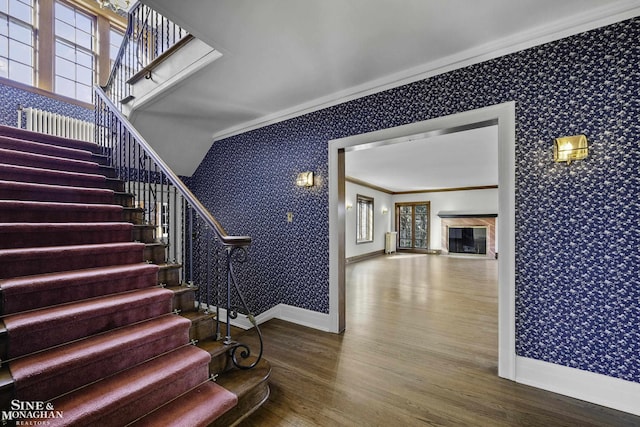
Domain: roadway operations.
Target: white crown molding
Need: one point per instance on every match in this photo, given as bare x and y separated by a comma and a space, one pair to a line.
553, 31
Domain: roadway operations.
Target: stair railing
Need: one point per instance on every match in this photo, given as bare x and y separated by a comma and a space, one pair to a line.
193, 240
148, 35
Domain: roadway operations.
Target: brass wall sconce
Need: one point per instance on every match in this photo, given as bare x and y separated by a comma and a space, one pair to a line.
305, 179
570, 148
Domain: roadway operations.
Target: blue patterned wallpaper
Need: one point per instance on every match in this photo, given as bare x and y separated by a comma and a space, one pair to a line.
12, 97
577, 226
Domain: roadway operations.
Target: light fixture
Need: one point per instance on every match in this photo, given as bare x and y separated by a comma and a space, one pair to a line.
114, 5
305, 179
349, 206
569, 148
385, 211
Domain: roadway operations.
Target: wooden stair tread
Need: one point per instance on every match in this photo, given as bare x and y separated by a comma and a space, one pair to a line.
240, 381
156, 244
174, 265
182, 288
195, 316
252, 388
150, 226
86, 196
213, 347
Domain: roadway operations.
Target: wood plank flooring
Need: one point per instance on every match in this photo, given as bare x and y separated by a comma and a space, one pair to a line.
420, 349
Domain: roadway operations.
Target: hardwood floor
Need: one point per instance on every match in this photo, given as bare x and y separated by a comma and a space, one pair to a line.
420, 349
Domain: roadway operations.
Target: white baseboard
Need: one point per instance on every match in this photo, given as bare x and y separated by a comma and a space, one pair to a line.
289, 313
595, 388
301, 316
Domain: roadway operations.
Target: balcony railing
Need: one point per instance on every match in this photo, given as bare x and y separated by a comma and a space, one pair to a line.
148, 36
194, 240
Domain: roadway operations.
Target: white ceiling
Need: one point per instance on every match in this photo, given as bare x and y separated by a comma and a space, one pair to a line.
281, 58
455, 160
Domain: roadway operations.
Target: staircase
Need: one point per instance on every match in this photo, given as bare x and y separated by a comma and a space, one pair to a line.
89, 303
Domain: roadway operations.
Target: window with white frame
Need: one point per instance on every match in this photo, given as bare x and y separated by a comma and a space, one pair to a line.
364, 220
17, 40
74, 52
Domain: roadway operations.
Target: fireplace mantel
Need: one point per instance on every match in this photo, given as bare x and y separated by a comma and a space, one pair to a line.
466, 214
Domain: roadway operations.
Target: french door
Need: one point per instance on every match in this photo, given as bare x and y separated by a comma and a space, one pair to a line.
412, 224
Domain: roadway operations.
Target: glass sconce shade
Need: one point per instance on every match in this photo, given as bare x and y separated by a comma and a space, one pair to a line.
570, 148
305, 179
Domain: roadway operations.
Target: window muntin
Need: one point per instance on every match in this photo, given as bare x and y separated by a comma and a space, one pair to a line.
412, 224
364, 219
17, 44
27, 53
74, 53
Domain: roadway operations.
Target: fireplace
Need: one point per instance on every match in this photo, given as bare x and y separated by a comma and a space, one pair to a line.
469, 233
468, 240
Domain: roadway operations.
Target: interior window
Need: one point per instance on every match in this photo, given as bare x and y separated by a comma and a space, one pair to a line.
364, 224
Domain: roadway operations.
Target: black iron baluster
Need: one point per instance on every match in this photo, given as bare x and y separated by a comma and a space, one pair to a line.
145, 173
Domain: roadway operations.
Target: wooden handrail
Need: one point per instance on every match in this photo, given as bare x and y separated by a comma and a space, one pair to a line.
123, 46
225, 239
147, 69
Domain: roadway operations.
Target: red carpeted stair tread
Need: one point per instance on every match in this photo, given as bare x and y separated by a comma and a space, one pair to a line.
197, 408
49, 139
54, 193
31, 235
40, 329
30, 261
46, 375
51, 176
85, 325
43, 290
20, 158
33, 211
116, 401
34, 147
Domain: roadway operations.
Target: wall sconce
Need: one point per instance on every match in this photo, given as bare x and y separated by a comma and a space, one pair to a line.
305, 179
385, 211
569, 148
349, 206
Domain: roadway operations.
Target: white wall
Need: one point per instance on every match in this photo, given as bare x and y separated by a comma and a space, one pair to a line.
382, 222
470, 200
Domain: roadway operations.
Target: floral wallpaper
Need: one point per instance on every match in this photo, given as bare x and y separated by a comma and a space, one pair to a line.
577, 226
11, 98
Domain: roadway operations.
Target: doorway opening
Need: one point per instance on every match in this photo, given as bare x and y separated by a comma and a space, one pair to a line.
502, 115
